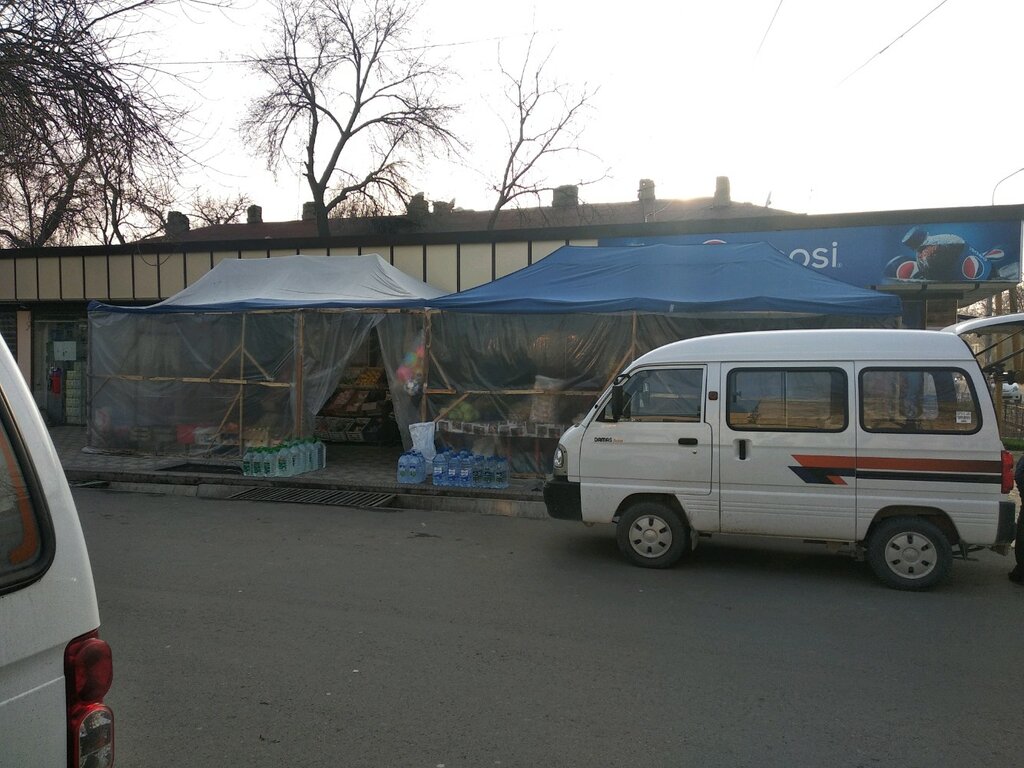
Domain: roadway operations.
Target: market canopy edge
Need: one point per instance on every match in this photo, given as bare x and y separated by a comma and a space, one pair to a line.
671, 279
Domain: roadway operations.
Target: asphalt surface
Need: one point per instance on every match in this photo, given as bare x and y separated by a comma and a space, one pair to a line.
252, 634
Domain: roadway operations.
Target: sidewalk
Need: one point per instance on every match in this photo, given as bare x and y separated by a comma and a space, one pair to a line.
368, 469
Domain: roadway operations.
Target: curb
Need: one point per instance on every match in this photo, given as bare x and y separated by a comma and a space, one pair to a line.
503, 502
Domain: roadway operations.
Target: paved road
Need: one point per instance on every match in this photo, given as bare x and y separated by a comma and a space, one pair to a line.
286, 635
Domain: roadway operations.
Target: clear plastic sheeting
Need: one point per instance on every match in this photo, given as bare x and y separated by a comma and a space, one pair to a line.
511, 384
213, 383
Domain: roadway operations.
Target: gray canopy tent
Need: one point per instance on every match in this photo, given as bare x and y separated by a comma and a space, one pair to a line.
245, 356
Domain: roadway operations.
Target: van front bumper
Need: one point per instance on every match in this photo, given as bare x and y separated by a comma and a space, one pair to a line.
562, 498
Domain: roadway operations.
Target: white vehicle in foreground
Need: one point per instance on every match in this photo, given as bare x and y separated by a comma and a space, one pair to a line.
54, 669
885, 440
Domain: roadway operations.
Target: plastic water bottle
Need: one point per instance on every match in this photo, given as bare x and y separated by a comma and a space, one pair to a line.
465, 469
281, 459
321, 454
247, 463
478, 470
490, 464
439, 468
454, 465
501, 473
255, 462
269, 462
421, 467
402, 467
308, 455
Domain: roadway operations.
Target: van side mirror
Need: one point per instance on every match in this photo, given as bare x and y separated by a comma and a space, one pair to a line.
618, 399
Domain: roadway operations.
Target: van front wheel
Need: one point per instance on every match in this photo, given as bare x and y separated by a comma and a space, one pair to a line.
652, 535
909, 553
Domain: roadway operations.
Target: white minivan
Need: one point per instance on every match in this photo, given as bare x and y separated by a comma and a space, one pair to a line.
54, 668
885, 440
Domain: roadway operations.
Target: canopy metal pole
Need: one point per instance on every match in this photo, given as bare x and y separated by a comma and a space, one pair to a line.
300, 354
241, 391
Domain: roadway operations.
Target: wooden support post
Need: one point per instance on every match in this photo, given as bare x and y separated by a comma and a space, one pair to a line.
426, 363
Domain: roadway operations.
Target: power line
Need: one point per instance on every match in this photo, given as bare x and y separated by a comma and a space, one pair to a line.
769, 29
858, 69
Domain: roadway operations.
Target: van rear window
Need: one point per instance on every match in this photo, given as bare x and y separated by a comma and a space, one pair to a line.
22, 551
918, 400
787, 399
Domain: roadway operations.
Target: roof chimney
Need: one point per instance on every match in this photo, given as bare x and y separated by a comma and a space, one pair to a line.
646, 191
253, 215
722, 196
565, 196
417, 209
309, 211
177, 224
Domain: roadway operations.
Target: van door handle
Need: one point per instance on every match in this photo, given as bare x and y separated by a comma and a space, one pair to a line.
687, 440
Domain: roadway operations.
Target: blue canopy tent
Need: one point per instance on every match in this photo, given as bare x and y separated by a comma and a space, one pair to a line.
706, 280
509, 364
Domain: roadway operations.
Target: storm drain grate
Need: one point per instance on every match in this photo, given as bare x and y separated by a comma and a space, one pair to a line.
316, 496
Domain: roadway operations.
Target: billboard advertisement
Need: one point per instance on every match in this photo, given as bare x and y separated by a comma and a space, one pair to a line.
870, 256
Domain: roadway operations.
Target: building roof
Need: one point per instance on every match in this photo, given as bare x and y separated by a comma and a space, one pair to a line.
458, 220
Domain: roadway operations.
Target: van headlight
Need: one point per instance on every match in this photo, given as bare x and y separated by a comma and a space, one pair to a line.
559, 461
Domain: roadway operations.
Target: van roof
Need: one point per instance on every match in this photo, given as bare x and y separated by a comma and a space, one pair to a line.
832, 344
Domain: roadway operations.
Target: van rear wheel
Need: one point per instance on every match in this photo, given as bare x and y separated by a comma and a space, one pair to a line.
652, 535
909, 553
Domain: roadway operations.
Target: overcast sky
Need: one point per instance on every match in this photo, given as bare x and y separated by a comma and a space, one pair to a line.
804, 108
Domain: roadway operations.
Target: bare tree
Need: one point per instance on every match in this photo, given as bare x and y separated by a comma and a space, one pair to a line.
121, 207
210, 211
544, 119
362, 103
74, 106
357, 206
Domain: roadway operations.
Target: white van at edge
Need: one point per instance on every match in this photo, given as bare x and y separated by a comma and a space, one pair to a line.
54, 669
885, 440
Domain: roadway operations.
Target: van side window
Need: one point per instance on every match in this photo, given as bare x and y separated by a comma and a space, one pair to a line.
787, 399
921, 400
22, 555
669, 394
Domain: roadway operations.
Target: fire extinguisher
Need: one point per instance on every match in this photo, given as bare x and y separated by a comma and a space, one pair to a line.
56, 374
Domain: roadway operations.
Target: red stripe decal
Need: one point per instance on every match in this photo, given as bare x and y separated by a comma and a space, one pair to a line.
919, 465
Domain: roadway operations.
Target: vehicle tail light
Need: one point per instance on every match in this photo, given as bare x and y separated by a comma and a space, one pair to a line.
1007, 472
88, 673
